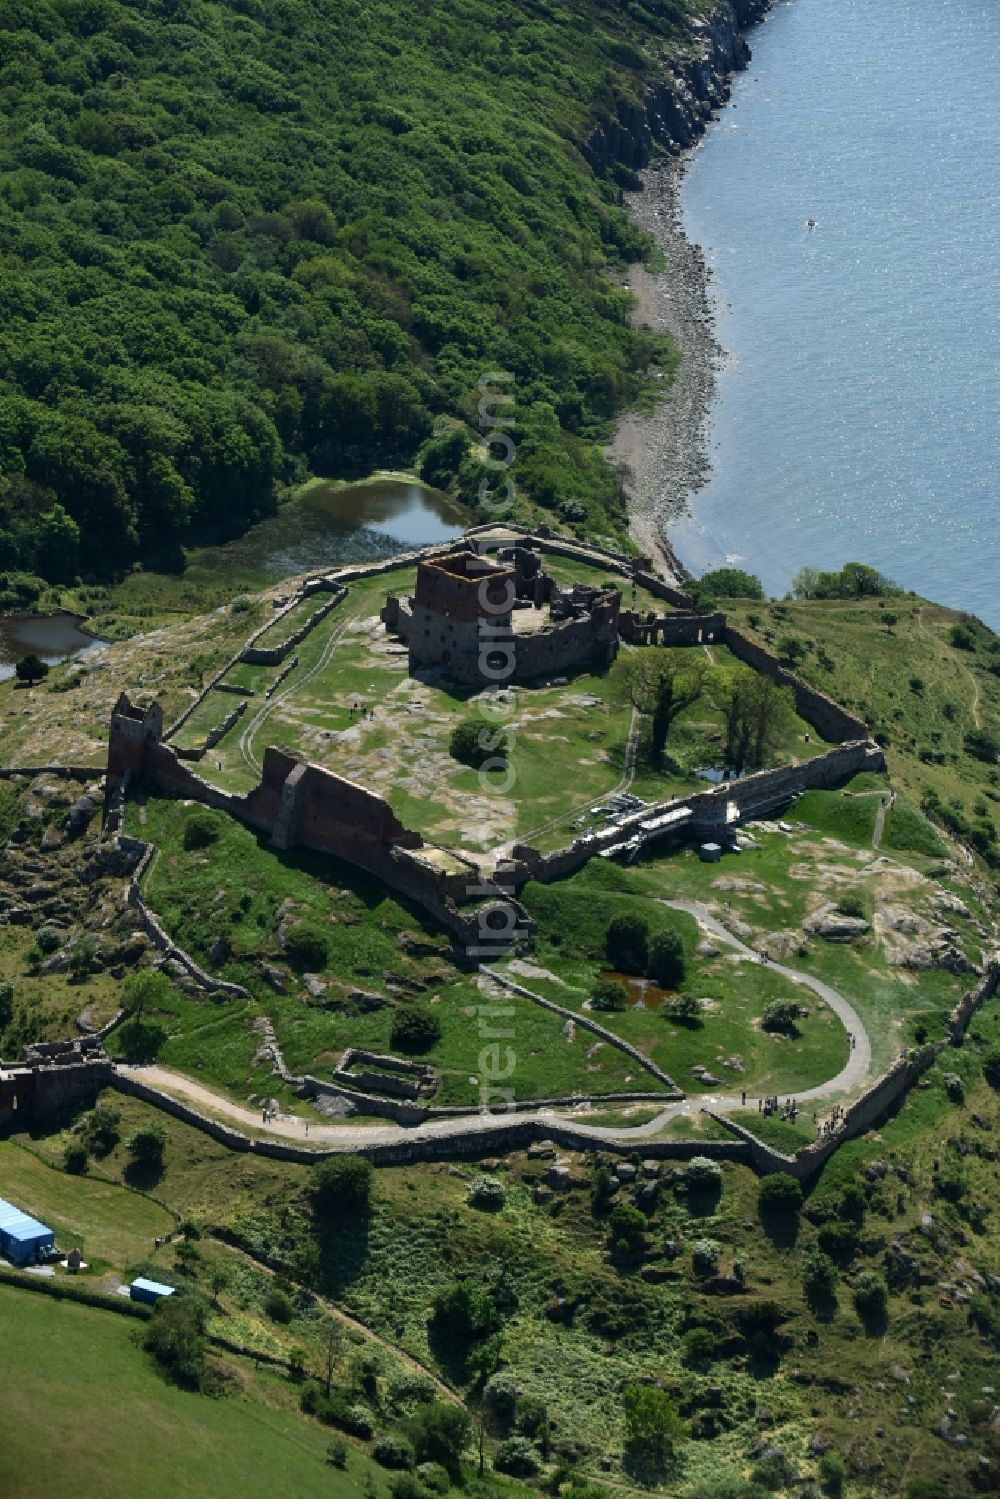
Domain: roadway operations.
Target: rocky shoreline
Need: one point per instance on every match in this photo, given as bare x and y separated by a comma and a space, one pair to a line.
662, 453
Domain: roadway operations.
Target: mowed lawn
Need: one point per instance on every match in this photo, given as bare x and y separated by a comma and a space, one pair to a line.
89, 1415
110, 1223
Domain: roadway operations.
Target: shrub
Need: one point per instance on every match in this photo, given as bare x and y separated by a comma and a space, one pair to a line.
702, 1174
626, 1229
464, 1310
820, 1284
476, 743
149, 989
102, 1128
500, 1398
278, 1305
983, 745
839, 1241
832, 1473
779, 1196
201, 830
147, 1144
665, 963
780, 1015
991, 1067
439, 1432
517, 1457
851, 904
698, 1347
414, 1027
307, 948
75, 1158
871, 1298
405, 1486
652, 1423
336, 1453
175, 1337
627, 944
139, 1040
606, 994
48, 939
342, 1181
962, 638
705, 1257
6, 1005
393, 1451
485, 1192
684, 1008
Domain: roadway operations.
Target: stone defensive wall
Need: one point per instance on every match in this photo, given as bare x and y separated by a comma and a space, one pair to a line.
876, 1101
488, 1134
827, 717
262, 655
706, 814
303, 805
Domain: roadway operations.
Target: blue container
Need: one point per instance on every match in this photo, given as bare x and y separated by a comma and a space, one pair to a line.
149, 1290
23, 1240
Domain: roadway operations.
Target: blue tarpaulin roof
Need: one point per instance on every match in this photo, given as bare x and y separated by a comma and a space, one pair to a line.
17, 1228
150, 1287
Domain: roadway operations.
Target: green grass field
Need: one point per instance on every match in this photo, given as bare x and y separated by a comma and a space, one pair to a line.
111, 1224
89, 1415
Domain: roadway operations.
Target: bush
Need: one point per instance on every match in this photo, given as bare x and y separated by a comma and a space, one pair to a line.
517, 1457
606, 994
832, 1474
278, 1305
475, 742
75, 1158
139, 1040
665, 962
779, 1196
406, 1486
627, 944
702, 1174
393, 1451
336, 1453
48, 939
149, 989
871, 1298
851, 904
102, 1128
820, 1285
485, 1192
6, 1005
705, 1257
175, 1337
626, 1229
780, 1015
465, 1311
306, 948
415, 1027
342, 1181
439, 1433
500, 1398
201, 830
684, 1008
962, 638
147, 1145
983, 745
698, 1347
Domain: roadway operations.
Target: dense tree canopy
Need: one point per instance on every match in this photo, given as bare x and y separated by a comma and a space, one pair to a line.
243, 241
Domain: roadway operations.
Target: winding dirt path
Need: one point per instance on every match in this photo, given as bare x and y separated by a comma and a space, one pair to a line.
289, 1126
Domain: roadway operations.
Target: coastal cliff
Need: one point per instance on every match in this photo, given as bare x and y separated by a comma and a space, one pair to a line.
675, 110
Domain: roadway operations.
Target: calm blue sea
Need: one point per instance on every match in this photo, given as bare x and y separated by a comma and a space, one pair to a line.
859, 413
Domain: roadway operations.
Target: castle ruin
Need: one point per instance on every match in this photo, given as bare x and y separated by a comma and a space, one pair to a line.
478, 621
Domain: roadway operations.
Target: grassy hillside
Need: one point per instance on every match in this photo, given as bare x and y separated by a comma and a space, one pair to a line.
243, 241
112, 1427
927, 679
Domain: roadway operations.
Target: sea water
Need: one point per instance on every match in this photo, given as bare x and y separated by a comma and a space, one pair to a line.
858, 413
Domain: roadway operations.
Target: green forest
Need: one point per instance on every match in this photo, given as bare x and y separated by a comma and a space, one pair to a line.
245, 241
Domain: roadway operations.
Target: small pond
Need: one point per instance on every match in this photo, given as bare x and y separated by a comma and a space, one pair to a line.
54, 637
332, 524
643, 994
